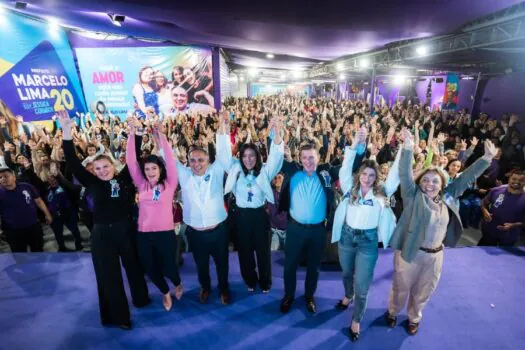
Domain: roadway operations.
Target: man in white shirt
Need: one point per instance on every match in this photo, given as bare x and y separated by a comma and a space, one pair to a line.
205, 215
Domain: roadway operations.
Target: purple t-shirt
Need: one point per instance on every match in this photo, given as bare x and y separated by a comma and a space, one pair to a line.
505, 208
17, 207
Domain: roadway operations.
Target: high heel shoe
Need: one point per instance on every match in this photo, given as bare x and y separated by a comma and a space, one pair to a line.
179, 290
166, 300
354, 336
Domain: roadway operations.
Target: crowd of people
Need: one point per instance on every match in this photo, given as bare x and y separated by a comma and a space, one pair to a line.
279, 172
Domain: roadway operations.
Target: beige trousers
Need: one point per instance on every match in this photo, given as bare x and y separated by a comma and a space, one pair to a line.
415, 281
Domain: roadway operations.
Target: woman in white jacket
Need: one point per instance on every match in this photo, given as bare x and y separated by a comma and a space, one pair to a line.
250, 181
362, 219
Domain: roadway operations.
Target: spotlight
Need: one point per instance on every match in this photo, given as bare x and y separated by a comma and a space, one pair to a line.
270, 56
19, 5
339, 66
116, 19
364, 63
283, 76
53, 23
241, 78
399, 80
253, 72
342, 77
297, 74
422, 51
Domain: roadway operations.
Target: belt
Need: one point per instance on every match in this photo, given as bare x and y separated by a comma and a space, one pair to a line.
432, 251
361, 232
306, 225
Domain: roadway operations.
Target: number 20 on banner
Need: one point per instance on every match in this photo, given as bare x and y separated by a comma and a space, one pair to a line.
64, 99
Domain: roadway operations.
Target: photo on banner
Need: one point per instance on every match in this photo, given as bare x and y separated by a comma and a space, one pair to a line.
163, 80
261, 89
38, 76
451, 97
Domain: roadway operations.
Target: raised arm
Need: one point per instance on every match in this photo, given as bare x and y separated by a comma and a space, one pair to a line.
131, 156
171, 165
469, 176
392, 179
223, 142
84, 176
406, 176
276, 155
346, 171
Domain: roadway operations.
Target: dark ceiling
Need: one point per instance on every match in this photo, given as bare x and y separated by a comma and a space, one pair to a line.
299, 33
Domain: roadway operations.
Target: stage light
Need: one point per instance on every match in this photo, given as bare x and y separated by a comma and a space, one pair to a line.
340, 66
283, 76
116, 19
253, 72
270, 56
297, 74
364, 63
53, 24
241, 78
422, 51
399, 80
19, 5
342, 77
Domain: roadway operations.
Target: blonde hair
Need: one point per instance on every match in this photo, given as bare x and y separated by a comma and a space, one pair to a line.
12, 123
377, 188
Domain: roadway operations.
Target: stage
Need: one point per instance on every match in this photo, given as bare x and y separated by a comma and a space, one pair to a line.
49, 301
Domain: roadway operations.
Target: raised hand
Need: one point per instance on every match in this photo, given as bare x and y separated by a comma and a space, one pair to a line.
407, 136
463, 145
65, 121
490, 149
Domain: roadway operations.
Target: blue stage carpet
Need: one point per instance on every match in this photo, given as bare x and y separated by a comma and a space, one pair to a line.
49, 301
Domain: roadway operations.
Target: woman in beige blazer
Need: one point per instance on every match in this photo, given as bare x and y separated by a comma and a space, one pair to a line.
430, 219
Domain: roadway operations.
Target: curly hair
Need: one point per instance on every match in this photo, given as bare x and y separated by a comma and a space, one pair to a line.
377, 188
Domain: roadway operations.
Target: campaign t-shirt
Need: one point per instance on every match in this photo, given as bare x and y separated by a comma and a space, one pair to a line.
505, 207
17, 207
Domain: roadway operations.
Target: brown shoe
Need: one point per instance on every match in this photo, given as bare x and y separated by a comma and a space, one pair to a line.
412, 328
203, 296
225, 298
391, 321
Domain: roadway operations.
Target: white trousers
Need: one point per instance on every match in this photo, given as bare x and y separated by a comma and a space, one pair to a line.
415, 281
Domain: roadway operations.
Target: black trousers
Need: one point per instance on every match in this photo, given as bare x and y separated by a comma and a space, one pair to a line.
158, 255
297, 238
214, 243
111, 243
253, 236
20, 239
70, 220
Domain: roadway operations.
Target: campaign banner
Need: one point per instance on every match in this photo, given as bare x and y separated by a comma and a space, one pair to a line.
162, 80
38, 76
260, 89
451, 97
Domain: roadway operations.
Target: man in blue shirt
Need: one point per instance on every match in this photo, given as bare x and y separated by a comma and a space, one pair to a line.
308, 195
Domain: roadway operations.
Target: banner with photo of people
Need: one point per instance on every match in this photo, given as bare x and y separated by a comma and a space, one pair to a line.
261, 89
38, 76
451, 97
164, 80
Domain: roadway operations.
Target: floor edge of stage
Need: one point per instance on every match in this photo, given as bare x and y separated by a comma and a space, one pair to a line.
50, 300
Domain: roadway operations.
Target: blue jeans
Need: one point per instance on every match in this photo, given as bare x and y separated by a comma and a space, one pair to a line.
358, 254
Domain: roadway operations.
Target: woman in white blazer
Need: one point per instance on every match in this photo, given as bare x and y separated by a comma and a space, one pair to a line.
362, 219
250, 181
